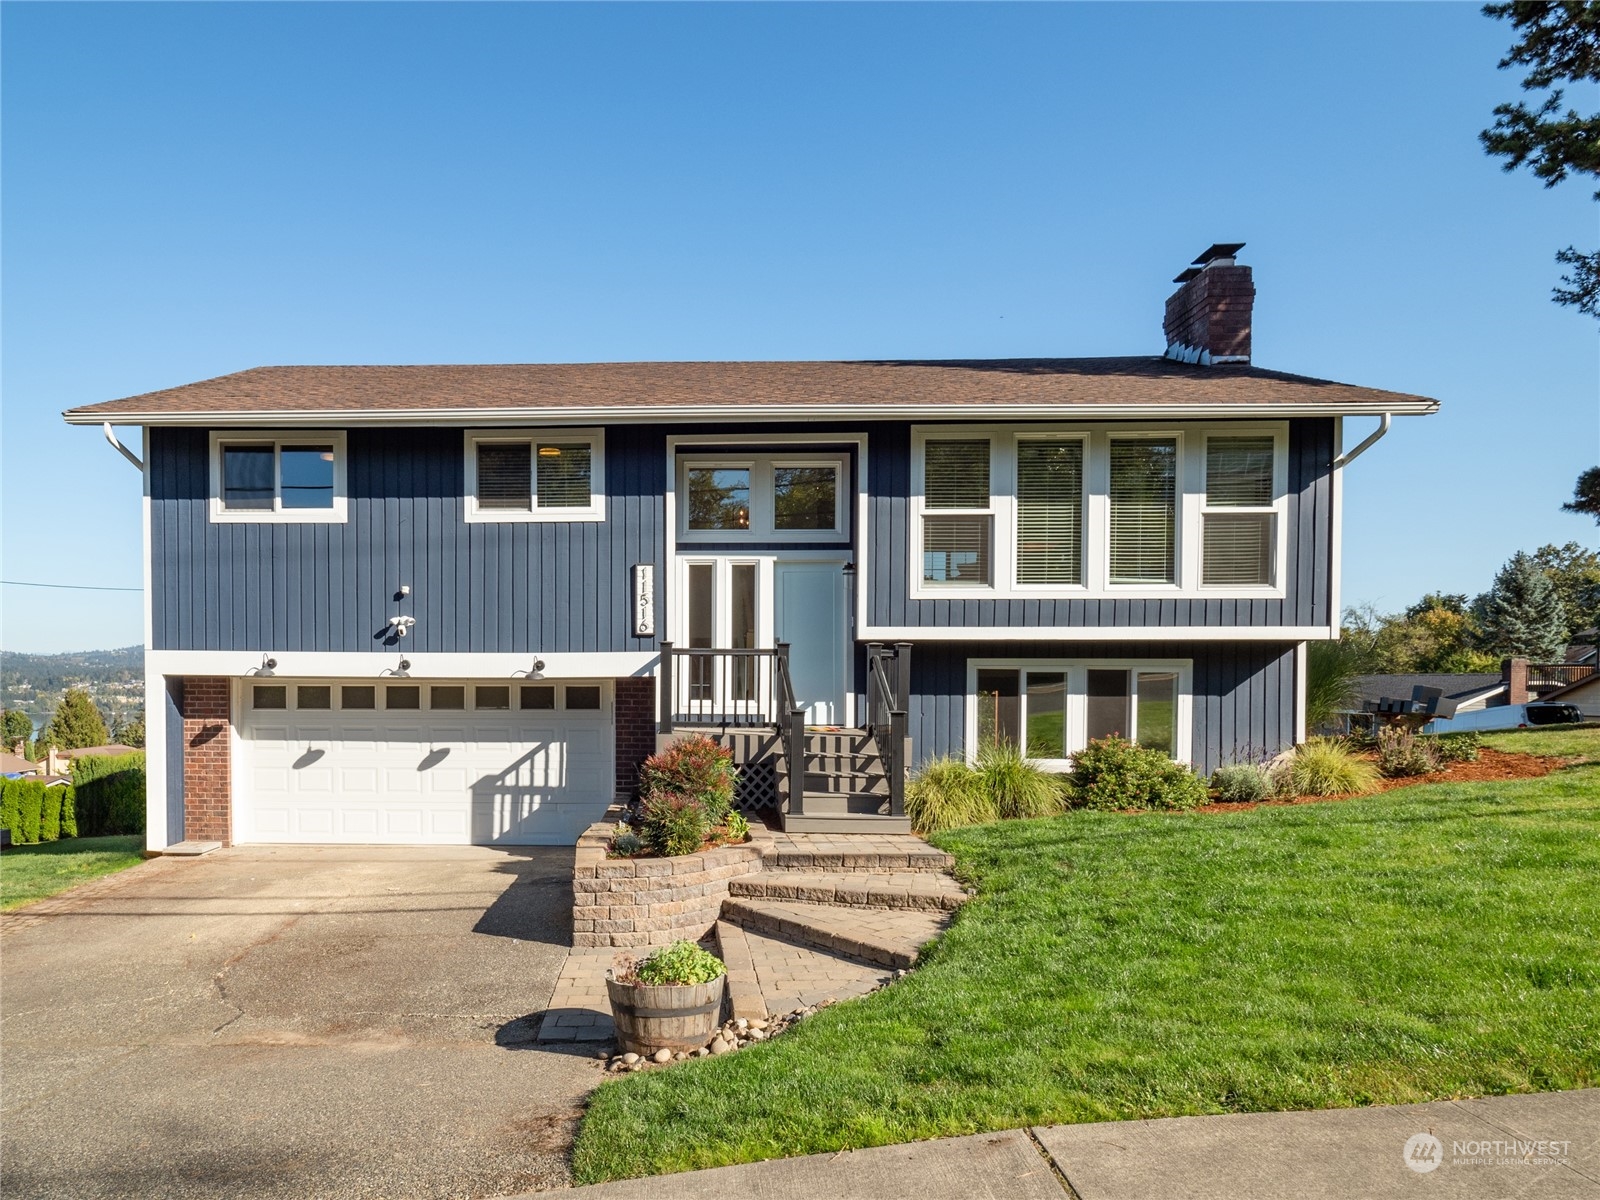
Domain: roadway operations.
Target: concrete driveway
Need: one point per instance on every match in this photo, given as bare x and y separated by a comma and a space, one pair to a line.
292, 1021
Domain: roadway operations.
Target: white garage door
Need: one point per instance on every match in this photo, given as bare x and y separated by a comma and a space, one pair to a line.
423, 763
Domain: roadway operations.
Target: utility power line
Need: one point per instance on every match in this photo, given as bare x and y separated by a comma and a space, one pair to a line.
75, 587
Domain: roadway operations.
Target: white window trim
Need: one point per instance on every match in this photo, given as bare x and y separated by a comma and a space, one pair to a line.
763, 497
1279, 508
277, 514
595, 510
1003, 441
1076, 670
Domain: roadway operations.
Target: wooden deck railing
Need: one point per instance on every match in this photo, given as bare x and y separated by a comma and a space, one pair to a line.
888, 688
1546, 677
736, 689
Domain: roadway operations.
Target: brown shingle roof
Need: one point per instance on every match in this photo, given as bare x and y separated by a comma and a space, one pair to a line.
623, 391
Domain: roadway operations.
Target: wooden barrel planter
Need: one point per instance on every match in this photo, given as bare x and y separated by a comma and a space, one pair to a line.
666, 1016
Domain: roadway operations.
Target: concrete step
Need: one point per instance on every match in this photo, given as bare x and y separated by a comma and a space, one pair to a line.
872, 854
931, 891
845, 823
889, 939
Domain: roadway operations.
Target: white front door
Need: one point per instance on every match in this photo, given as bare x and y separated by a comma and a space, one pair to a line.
809, 614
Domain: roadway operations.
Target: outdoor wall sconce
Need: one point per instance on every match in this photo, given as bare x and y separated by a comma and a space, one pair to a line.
403, 671
534, 672
268, 666
401, 625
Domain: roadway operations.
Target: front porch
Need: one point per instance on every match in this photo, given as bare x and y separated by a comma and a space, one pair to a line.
809, 778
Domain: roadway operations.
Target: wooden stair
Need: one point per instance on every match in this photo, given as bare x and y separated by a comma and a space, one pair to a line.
844, 785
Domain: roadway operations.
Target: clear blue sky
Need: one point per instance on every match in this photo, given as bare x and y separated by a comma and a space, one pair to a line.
194, 189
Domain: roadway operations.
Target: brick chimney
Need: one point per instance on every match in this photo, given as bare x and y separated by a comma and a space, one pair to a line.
1208, 317
1514, 674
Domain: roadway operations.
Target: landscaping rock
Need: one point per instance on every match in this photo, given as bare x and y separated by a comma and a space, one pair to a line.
721, 1047
630, 1058
662, 1055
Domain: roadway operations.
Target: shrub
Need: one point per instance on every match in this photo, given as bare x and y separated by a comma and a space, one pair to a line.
693, 766
737, 825
1401, 753
945, 794
1014, 786
50, 814
1242, 783
683, 964
1326, 767
110, 794
627, 842
1114, 773
69, 811
1457, 747
674, 823
22, 809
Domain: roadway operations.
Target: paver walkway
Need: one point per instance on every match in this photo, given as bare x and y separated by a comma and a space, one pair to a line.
828, 918
1539, 1146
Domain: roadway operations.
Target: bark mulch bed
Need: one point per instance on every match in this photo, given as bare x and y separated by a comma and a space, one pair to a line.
1492, 766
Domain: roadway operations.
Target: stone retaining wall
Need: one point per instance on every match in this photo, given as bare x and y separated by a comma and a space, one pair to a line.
652, 901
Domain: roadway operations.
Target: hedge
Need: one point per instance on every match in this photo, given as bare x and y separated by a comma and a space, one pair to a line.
37, 813
110, 794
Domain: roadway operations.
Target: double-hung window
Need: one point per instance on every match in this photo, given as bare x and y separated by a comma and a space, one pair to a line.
275, 477
1143, 541
525, 475
1050, 511
1239, 539
957, 516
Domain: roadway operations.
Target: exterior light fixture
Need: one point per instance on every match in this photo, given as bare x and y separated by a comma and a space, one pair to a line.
538, 669
268, 666
403, 671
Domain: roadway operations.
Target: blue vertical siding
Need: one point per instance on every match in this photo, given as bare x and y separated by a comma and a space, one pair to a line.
506, 588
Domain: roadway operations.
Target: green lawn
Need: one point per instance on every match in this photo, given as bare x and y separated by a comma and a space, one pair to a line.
1434, 941
29, 873
1578, 742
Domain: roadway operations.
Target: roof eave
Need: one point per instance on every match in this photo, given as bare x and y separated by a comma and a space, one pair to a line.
627, 414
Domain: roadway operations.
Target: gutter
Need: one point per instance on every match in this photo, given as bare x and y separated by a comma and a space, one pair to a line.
111, 437
632, 414
1349, 456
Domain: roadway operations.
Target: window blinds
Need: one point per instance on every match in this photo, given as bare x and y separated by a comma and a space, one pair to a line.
1238, 549
505, 475
956, 550
1143, 511
956, 475
564, 474
1239, 472
1049, 511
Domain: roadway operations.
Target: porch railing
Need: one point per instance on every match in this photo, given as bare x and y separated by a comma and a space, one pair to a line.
888, 688
735, 689
1546, 677
792, 728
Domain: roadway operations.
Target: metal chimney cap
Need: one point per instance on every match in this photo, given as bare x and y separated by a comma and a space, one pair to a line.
1187, 274
1218, 250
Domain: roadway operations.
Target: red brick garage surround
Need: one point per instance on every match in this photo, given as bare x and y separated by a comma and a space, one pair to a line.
636, 730
207, 769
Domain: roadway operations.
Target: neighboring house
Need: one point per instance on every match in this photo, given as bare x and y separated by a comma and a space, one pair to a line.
416, 604
114, 750
1467, 691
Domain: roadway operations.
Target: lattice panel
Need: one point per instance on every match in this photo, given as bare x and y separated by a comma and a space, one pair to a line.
755, 787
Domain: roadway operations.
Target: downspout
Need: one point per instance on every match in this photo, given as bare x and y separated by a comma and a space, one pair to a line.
1344, 459
120, 448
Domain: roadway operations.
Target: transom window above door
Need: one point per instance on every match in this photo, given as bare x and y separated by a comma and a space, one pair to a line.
536, 475
782, 498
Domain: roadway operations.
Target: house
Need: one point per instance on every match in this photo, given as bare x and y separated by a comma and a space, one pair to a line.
1463, 692
414, 604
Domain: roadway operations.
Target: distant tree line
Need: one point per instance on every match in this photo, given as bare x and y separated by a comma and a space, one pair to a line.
76, 723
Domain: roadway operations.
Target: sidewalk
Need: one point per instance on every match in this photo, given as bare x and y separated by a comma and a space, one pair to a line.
1487, 1150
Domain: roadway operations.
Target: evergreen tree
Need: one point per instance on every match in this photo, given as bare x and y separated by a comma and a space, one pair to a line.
1575, 574
18, 728
1521, 615
1586, 495
77, 723
1560, 44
